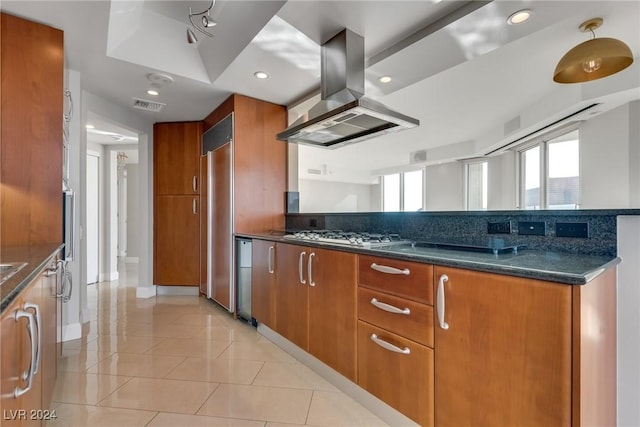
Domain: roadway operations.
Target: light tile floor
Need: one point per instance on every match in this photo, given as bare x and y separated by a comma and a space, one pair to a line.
181, 361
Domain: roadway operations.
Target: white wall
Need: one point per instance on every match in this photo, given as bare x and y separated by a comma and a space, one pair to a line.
609, 159
327, 196
628, 321
133, 211
501, 185
445, 187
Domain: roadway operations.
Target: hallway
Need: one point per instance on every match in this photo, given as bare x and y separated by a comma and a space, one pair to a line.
182, 361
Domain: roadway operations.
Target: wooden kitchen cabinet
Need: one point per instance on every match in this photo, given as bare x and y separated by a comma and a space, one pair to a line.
176, 207
316, 304
32, 63
263, 282
331, 279
395, 334
176, 157
511, 351
176, 240
292, 294
33, 407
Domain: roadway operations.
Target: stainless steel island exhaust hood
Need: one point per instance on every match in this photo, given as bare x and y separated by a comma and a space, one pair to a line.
344, 115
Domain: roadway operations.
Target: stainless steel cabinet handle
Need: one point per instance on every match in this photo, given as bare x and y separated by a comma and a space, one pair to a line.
300, 267
61, 264
53, 270
194, 184
310, 268
389, 346
270, 261
36, 309
440, 302
67, 278
194, 207
27, 376
390, 308
390, 270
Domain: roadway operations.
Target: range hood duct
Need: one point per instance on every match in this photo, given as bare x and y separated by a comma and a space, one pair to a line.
344, 115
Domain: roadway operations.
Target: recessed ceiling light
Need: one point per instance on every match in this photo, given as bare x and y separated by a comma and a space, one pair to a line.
519, 17
90, 126
153, 92
261, 75
384, 79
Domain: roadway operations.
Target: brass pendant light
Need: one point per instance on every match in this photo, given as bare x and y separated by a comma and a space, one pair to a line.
593, 59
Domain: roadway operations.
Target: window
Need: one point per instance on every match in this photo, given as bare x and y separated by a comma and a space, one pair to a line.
550, 173
403, 191
476, 185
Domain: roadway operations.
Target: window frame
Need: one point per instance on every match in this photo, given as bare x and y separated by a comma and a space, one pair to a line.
542, 142
401, 188
465, 181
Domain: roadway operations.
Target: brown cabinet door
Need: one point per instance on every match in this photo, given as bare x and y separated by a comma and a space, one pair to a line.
398, 371
222, 226
176, 240
292, 304
176, 157
263, 282
12, 363
331, 277
505, 358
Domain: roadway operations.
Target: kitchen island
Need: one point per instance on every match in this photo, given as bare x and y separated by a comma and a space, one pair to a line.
444, 336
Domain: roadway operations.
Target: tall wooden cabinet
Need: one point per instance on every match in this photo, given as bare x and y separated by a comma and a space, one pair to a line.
246, 183
176, 209
32, 63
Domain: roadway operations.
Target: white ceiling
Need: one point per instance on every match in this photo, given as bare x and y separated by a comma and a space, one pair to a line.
464, 77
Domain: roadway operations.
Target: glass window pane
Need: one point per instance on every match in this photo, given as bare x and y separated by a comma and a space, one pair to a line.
564, 172
391, 193
531, 165
413, 191
477, 186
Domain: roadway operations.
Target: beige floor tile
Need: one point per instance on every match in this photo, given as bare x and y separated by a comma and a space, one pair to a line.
260, 351
80, 343
284, 425
337, 409
85, 388
275, 374
176, 420
93, 416
190, 347
258, 403
218, 370
80, 361
153, 394
161, 329
123, 343
137, 365
238, 332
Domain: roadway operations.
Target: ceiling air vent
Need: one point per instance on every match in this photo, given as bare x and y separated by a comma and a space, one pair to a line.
143, 104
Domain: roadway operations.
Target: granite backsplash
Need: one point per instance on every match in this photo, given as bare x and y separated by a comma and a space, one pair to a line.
463, 227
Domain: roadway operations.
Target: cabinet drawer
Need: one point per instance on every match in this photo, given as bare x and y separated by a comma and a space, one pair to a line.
404, 381
417, 325
402, 278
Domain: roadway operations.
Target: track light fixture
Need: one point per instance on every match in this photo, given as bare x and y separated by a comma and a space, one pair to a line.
205, 21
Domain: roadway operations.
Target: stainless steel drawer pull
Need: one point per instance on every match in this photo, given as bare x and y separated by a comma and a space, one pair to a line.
390, 308
270, 260
194, 207
300, 267
390, 270
36, 310
389, 346
440, 302
310, 269
194, 184
27, 376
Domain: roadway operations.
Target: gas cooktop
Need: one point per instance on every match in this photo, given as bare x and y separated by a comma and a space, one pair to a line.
338, 237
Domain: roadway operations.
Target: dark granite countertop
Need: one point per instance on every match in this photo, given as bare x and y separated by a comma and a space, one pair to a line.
37, 258
560, 267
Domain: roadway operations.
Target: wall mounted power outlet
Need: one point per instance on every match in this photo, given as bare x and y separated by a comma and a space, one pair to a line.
532, 228
572, 229
501, 227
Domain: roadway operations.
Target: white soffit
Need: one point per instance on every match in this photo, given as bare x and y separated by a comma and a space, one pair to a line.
144, 37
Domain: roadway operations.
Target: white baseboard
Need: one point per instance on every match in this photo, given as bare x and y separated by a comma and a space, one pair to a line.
85, 316
178, 290
363, 397
109, 277
71, 332
145, 291
132, 260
